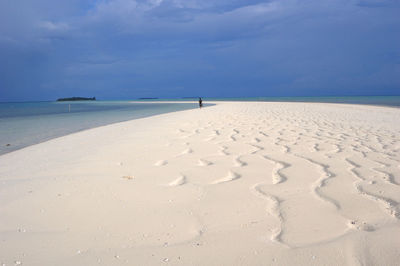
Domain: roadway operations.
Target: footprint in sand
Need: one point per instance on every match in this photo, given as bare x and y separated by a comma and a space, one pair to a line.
178, 182
161, 163
223, 150
229, 177
187, 151
238, 162
361, 226
203, 162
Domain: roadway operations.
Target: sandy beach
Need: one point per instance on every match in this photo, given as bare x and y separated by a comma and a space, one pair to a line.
238, 183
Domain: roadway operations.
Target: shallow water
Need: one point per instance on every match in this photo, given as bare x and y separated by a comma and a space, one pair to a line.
393, 101
24, 124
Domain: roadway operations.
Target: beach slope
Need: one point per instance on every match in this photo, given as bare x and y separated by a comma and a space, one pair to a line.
231, 184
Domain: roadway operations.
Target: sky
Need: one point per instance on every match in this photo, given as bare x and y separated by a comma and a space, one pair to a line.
126, 49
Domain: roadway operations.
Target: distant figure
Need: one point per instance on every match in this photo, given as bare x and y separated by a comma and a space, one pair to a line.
200, 102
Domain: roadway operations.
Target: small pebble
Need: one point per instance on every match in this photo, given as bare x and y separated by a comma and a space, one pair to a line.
8, 144
166, 260
17, 262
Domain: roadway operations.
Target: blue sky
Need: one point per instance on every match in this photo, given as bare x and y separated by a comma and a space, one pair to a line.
124, 49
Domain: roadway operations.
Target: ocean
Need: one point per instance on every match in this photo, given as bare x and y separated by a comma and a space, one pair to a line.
392, 101
28, 123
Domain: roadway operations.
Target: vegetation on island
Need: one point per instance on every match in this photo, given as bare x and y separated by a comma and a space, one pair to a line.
76, 99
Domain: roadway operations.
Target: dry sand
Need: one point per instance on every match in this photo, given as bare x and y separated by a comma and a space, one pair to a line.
231, 184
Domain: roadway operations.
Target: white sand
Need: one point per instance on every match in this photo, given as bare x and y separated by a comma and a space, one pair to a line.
232, 184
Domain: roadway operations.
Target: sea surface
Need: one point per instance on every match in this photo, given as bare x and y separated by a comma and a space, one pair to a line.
392, 101
27, 123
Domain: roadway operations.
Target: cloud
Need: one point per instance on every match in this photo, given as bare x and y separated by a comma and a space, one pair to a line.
226, 47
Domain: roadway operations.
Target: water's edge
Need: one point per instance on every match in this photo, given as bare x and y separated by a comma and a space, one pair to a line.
388, 101
19, 128
17, 132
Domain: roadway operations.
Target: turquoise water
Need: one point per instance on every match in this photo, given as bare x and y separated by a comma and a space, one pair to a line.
393, 101
24, 124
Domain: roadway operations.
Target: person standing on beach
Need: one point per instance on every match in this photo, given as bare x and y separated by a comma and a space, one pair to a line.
200, 102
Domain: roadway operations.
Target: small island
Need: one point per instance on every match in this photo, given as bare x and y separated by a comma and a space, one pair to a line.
76, 99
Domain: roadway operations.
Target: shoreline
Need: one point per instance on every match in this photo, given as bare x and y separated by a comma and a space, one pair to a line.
266, 101
235, 183
62, 124
177, 102
249, 99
